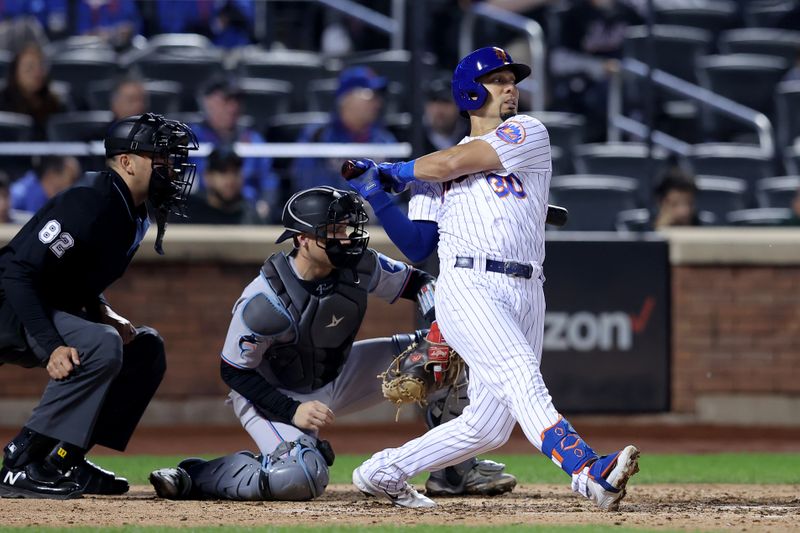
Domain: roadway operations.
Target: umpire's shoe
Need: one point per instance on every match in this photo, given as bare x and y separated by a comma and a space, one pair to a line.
609, 475
37, 480
405, 497
95, 480
484, 478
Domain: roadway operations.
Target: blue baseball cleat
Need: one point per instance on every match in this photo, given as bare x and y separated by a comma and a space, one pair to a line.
608, 476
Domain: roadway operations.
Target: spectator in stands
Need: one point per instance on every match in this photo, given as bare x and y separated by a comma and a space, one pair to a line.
115, 21
228, 23
222, 108
27, 90
222, 201
675, 199
51, 176
442, 121
359, 102
5, 203
592, 37
128, 98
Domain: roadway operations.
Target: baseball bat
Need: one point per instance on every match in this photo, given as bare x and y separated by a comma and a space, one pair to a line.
556, 215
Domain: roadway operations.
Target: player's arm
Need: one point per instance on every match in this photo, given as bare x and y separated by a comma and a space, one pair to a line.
457, 161
61, 230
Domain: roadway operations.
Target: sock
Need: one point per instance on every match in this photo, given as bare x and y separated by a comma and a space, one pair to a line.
65, 455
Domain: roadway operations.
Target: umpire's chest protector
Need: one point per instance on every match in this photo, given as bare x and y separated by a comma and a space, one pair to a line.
326, 325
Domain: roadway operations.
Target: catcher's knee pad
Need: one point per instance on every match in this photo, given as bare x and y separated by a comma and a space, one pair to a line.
562, 444
233, 477
295, 471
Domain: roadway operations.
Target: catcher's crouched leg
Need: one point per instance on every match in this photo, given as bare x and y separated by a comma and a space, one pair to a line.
294, 471
486, 478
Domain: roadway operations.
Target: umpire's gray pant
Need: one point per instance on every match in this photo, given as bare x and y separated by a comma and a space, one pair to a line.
104, 398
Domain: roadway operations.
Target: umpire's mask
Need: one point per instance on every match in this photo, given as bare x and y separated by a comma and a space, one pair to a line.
335, 217
168, 143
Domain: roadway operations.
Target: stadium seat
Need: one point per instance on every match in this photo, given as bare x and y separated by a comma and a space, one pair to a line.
793, 159
787, 116
777, 192
15, 127
264, 98
167, 42
191, 72
79, 126
747, 162
677, 48
765, 216
766, 13
634, 220
720, 195
400, 124
711, 15
81, 67
165, 96
562, 166
565, 131
297, 67
286, 128
724, 75
628, 160
766, 41
593, 200
5, 60
77, 42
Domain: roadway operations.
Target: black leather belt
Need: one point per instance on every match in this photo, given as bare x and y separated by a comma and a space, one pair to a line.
509, 268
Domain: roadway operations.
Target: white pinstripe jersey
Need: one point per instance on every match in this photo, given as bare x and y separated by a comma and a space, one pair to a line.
498, 215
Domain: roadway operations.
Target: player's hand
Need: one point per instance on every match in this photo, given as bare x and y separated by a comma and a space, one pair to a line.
62, 361
389, 176
123, 326
362, 176
313, 415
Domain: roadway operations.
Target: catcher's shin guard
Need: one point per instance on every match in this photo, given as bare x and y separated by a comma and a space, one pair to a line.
486, 478
296, 471
237, 476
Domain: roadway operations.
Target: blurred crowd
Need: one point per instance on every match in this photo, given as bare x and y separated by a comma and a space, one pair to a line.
359, 91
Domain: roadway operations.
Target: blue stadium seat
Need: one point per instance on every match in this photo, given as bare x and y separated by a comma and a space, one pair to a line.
720, 195
787, 101
191, 72
165, 96
79, 126
747, 162
15, 127
793, 159
710, 15
677, 48
765, 216
767, 41
628, 160
263, 98
297, 67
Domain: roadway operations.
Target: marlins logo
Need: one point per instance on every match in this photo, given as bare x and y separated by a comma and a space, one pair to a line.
247, 343
511, 132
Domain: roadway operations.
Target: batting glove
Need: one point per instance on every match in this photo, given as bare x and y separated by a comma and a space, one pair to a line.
396, 176
365, 180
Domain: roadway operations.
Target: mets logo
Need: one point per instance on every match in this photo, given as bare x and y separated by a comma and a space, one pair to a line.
501, 54
511, 132
247, 343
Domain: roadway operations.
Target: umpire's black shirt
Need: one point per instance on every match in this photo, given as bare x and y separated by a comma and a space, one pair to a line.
73, 248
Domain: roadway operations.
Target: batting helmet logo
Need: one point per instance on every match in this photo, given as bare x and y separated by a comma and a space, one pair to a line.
467, 92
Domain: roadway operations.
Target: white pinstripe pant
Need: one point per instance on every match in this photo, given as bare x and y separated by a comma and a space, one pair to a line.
496, 323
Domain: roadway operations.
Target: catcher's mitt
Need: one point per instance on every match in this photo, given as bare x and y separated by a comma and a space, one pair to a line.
422, 368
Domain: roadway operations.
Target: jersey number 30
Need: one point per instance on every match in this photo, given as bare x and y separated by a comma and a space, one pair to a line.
505, 185
62, 243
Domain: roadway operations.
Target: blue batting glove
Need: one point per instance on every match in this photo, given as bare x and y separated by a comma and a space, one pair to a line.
362, 176
396, 176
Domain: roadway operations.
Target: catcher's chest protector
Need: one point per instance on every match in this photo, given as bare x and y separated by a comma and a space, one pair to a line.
326, 326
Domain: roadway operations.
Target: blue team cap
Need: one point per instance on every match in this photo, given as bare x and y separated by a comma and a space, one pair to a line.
359, 78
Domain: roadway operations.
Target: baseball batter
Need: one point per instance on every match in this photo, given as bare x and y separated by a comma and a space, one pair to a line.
487, 200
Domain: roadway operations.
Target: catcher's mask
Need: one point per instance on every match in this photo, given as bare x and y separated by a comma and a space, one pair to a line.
167, 143
335, 217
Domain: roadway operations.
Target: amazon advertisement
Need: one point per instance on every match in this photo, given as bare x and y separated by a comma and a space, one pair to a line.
606, 336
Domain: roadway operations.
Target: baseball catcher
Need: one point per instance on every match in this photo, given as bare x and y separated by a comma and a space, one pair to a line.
292, 363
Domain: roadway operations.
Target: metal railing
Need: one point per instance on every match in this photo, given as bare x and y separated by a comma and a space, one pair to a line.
272, 150
718, 103
394, 25
535, 37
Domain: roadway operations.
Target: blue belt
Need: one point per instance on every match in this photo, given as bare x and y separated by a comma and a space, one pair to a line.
509, 268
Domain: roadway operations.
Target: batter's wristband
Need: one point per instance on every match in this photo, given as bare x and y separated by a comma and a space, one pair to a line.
405, 171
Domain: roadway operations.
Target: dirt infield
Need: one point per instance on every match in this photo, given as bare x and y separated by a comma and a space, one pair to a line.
690, 507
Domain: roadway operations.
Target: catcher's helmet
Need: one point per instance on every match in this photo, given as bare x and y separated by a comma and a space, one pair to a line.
467, 92
321, 211
168, 142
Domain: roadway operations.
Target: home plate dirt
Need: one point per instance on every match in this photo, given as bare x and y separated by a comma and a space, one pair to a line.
690, 507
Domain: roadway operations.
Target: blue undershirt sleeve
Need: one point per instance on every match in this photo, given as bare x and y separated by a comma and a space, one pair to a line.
417, 239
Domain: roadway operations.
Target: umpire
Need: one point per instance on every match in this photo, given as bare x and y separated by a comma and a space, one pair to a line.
103, 370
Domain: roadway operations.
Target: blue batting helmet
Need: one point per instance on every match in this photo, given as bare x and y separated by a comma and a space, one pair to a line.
467, 92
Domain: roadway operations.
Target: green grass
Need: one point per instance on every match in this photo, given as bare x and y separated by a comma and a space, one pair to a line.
748, 468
